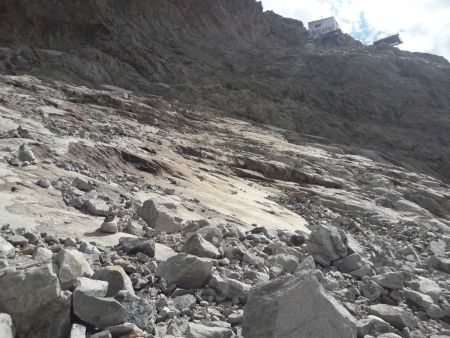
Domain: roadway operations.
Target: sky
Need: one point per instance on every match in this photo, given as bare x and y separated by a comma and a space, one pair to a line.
424, 25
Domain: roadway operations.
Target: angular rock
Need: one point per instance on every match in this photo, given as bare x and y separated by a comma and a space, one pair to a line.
350, 263
202, 331
42, 254
7, 250
327, 244
306, 264
253, 259
390, 280
440, 263
131, 245
295, 306
25, 154
229, 287
88, 248
196, 245
71, 265
184, 301
78, 331
394, 315
288, 262
97, 311
33, 298
426, 286
7, 329
186, 271
117, 280
101, 334
82, 184
91, 287
212, 234
160, 218
141, 313
97, 207
372, 325
371, 290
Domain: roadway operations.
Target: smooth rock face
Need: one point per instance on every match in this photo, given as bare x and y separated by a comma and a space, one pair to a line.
295, 306
160, 217
7, 250
202, 331
109, 227
117, 279
72, 264
34, 300
394, 315
186, 271
97, 311
426, 286
327, 244
7, 329
196, 245
350, 263
132, 246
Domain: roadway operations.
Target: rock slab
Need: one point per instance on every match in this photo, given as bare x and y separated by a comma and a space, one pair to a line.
293, 307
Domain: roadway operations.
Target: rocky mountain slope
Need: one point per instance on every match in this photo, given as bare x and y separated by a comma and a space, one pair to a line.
136, 202
233, 56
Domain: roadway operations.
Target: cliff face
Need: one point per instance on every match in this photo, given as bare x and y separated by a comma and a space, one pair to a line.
230, 55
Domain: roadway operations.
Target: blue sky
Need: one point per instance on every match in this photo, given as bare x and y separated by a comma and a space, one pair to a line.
424, 25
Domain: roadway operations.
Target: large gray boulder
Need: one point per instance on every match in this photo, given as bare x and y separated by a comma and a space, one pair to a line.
327, 244
295, 306
186, 271
97, 311
117, 279
71, 265
198, 246
7, 250
160, 217
7, 329
33, 298
394, 315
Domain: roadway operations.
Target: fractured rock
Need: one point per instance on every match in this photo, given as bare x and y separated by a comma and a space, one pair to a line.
117, 279
160, 218
131, 246
91, 287
97, 311
7, 250
186, 271
295, 306
372, 325
184, 301
394, 315
229, 287
371, 290
350, 263
196, 245
390, 280
212, 234
71, 265
33, 298
288, 262
327, 244
426, 286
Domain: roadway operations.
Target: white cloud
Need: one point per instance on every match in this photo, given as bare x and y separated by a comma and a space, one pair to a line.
424, 25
